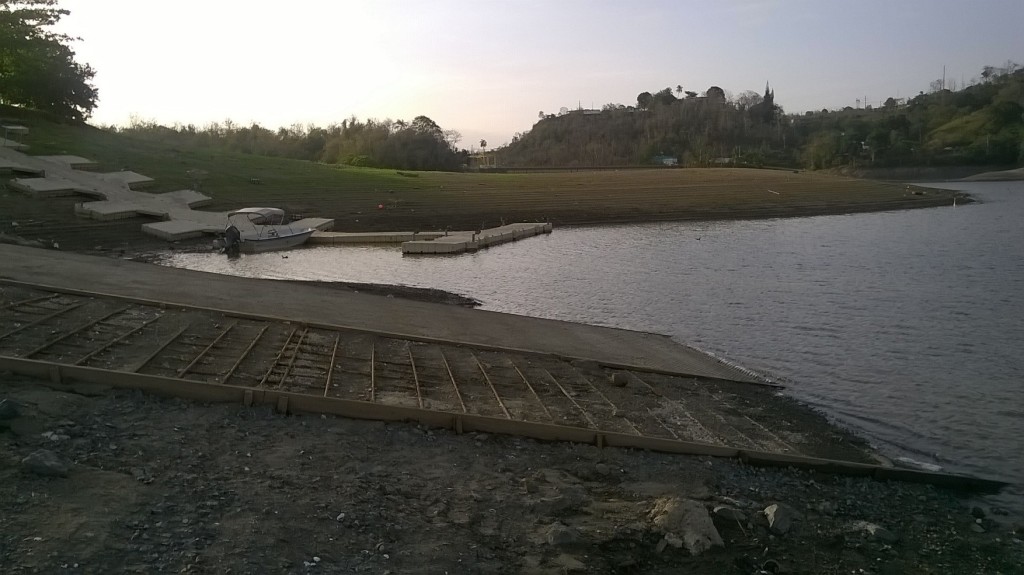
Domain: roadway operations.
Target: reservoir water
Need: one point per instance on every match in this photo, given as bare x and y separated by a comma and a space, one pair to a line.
907, 326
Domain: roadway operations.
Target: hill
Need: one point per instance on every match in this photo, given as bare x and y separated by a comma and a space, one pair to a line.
981, 125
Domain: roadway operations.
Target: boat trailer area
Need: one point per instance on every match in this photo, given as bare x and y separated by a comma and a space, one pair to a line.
211, 355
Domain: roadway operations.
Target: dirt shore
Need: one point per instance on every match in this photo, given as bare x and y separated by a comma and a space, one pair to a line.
153, 485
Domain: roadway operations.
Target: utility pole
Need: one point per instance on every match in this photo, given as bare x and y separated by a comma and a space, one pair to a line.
943, 76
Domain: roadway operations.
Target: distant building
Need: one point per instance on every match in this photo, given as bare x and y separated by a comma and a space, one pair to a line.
483, 161
665, 160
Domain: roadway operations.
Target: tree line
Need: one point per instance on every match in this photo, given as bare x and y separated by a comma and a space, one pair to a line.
419, 144
979, 124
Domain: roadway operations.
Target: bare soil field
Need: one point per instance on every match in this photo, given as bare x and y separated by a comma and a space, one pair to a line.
458, 201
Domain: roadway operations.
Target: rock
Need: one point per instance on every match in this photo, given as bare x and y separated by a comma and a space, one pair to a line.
826, 508
737, 503
45, 463
619, 379
9, 409
688, 521
602, 469
977, 512
781, 518
730, 514
560, 535
977, 528
873, 531
570, 564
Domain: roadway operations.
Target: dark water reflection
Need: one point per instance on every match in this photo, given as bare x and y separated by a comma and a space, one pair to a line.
907, 326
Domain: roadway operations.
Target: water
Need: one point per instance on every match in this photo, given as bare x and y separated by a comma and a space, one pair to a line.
905, 326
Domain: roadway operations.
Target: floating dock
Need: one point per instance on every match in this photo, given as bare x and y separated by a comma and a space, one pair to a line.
436, 242
116, 196
459, 242
331, 238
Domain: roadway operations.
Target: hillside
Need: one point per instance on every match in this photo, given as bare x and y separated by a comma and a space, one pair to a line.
365, 199
981, 125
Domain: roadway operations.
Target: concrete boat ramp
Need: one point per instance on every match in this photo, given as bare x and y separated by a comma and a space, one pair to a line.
70, 318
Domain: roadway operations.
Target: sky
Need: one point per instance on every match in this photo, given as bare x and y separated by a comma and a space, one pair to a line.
487, 67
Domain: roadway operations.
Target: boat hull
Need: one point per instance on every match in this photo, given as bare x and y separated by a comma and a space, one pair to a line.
270, 244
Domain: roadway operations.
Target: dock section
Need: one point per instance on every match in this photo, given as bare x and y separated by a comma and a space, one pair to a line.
116, 197
459, 242
331, 238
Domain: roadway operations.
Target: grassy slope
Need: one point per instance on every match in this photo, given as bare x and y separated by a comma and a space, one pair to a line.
433, 200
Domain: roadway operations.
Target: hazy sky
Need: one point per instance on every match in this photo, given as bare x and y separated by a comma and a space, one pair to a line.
486, 68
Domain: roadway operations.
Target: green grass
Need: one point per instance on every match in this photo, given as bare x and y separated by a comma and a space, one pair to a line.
439, 200
961, 131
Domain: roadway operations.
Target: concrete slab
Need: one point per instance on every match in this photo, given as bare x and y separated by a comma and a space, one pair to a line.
106, 210
132, 179
172, 230
14, 145
321, 224
190, 198
44, 187
76, 162
9, 165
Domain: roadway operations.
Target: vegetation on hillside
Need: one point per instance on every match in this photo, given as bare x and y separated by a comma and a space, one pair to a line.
980, 124
37, 66
417, 145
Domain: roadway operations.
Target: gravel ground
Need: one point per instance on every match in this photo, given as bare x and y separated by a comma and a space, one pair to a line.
95, 480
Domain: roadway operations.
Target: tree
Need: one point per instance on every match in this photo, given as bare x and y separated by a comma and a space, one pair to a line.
748, 99
425, 125
37, 66
715, 94
453, 137
483, 144
644, 100
664, 97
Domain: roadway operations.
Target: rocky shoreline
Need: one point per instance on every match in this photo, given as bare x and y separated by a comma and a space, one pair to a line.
96, 480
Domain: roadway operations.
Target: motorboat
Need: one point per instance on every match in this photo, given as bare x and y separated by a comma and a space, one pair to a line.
257, 230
